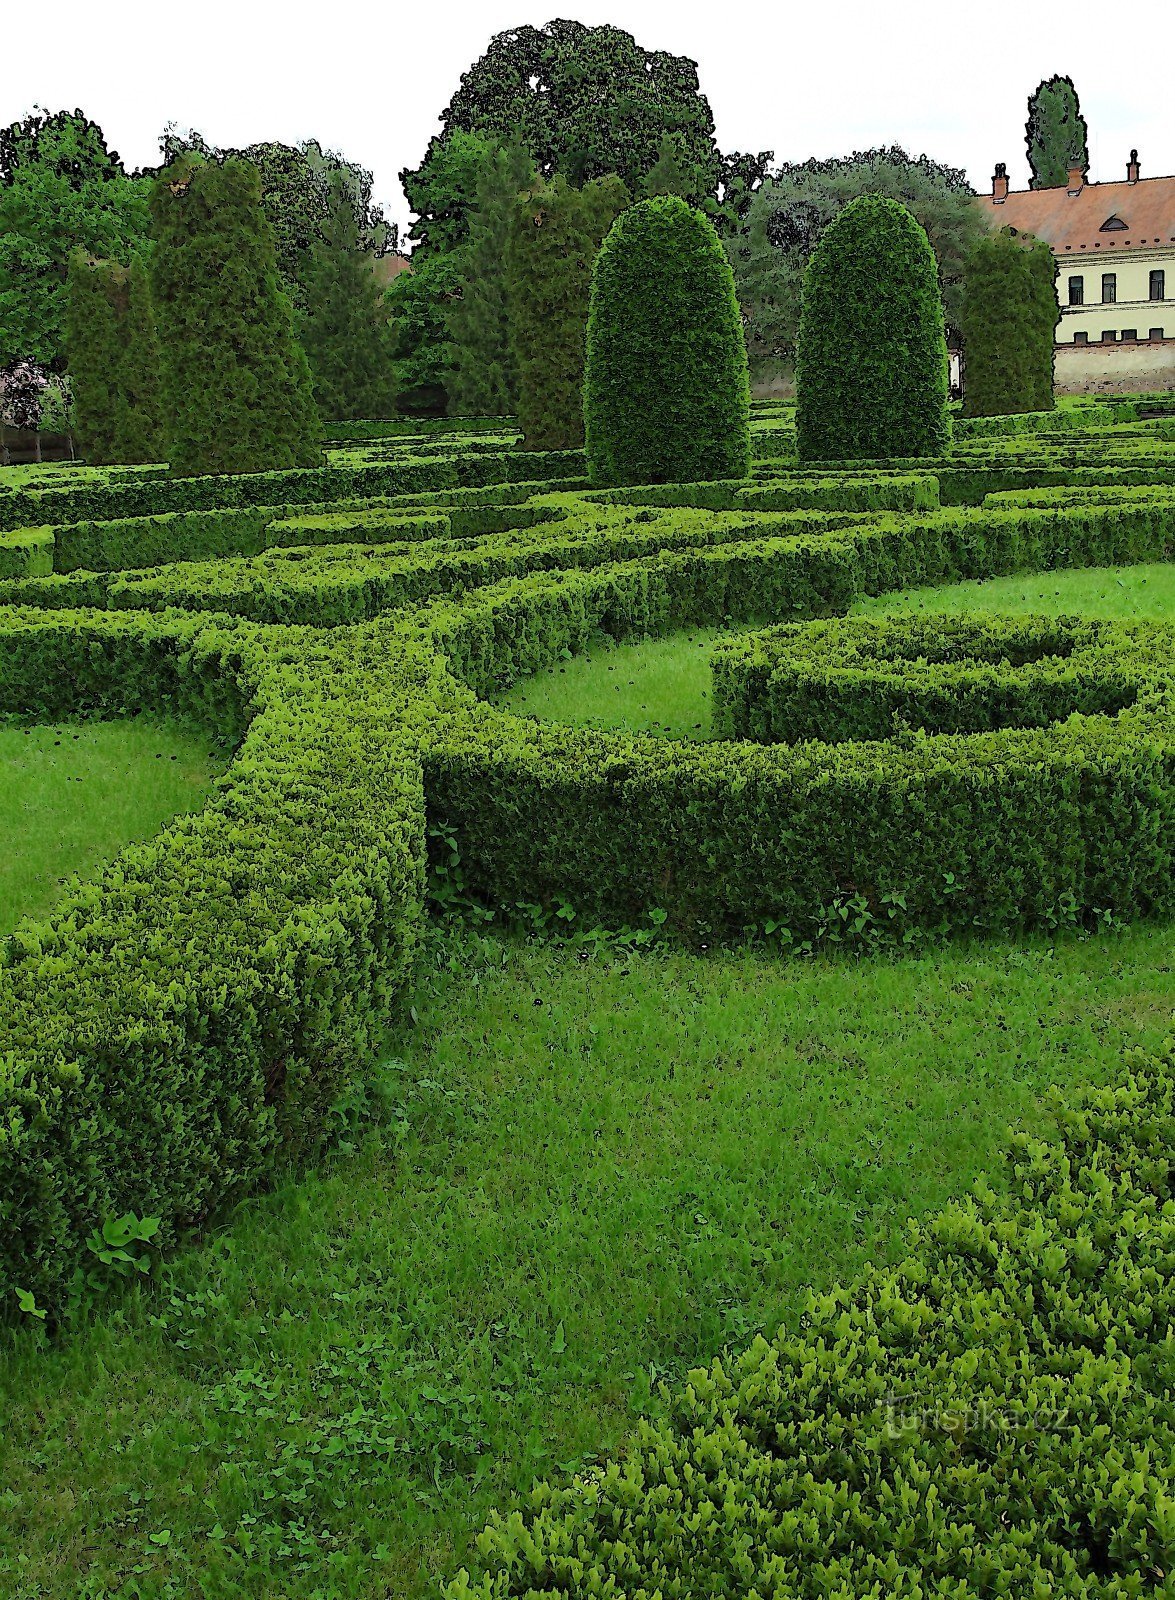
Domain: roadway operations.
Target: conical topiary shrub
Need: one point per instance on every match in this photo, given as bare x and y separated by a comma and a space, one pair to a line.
871, 358
666, 393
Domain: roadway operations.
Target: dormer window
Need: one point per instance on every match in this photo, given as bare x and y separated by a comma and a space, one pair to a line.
1113, 225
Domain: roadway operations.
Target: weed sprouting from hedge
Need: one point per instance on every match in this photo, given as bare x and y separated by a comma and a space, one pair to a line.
666, 396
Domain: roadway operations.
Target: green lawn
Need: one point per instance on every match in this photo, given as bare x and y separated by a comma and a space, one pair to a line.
72, 795
662, 686
594, 1171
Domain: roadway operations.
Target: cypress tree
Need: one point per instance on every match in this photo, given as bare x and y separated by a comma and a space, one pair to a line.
113, 357
556, 234
1009, 323
871, 359
1056, 134
666, 395
236, 384
483, 380
345, 332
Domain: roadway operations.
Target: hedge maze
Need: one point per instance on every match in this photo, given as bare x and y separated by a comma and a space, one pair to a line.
181, 1024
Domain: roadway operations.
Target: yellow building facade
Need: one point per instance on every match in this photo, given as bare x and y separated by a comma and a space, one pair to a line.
1114, 245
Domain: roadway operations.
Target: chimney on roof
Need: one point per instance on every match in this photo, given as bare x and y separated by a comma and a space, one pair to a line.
1132, 168
1076, 178
999, 184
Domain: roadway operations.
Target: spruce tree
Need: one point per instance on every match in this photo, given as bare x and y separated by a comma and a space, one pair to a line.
556, 235
1056, 133
871, 357
666, 396
113, 357
345, 332
1009, 326
236, 384
482, 377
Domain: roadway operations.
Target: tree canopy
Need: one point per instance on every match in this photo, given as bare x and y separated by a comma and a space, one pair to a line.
1056, 135
584, 101
791, 210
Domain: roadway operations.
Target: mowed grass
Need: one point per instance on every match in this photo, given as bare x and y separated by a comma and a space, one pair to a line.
662, 686
593, 1171
73, 794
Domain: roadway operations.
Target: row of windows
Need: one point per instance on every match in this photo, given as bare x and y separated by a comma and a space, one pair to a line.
1110, 288
1130, 335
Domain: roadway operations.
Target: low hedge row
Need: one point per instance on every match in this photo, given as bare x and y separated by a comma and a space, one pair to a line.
865, 678
1062, 420
992, 1416
184, 1021
833, 492
26, 553
151, 496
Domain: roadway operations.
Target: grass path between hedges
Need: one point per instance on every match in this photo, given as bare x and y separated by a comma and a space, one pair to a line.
662, 686
73, 794
593, 1171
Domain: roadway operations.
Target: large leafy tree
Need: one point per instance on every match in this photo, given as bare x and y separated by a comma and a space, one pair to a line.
482, 378
236, 386
345, 330
419, 303
788, 214
585, 101
61, 189
1056, 134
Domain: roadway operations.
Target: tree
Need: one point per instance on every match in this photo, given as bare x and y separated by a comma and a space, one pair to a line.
1009, 325
666, 394
672, 173
113, 362
1056, 134
418, 303
482, 379
788, 214
871, 360
742, 175
556, 235
236, 386
345, 331
60, 189
585, 101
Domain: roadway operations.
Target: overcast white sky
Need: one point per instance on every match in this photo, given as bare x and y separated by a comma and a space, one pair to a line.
814, 77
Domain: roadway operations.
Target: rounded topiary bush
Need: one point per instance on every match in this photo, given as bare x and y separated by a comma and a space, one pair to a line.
666, 395
871, 359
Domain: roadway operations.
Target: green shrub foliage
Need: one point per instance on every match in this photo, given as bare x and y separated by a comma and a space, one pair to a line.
345, 331
113, 356
483, 380
236, 386
1009, 326
666, 393
556, 235
871, 363
1056, 134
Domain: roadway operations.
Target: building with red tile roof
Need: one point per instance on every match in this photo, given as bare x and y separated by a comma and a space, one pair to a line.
1114, 245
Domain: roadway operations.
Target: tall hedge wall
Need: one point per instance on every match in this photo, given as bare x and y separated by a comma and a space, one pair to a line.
666, 393
114, 362
871, 359
237, 394
1009, 326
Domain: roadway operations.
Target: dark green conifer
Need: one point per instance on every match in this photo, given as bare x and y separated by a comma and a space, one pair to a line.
113, 359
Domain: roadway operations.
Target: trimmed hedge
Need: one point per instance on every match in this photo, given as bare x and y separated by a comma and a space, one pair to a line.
871, 358
184, 1021
666, 394
992, 1416
1009, 321
114, 360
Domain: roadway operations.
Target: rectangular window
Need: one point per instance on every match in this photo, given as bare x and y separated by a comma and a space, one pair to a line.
1076, 291
1158, 284
1081, 338
1109, 288
1130, 333
1156, 333
1109, 336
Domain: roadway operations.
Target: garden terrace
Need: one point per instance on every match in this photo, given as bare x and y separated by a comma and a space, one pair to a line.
181, 1029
